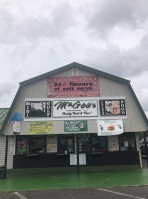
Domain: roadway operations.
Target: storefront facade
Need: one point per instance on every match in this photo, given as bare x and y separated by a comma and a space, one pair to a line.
74, 109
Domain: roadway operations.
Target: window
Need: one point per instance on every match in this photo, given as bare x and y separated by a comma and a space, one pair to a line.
99, 143
21, 145
127, 142
37, 144
92, 143
85, 144
66, 144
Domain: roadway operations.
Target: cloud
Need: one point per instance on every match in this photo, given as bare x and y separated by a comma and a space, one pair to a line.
16, 28
38, 36
114, 13
7, 91
143, 97
124, 63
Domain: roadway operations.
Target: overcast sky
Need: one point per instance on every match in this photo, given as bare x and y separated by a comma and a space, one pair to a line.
37, 36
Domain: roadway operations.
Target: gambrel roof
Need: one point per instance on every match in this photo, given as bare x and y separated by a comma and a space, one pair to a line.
68, 67
3, 114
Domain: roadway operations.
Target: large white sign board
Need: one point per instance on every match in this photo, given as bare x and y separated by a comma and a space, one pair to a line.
109, 127
75, 108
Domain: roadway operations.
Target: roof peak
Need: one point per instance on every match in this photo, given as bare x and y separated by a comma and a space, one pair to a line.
70, 66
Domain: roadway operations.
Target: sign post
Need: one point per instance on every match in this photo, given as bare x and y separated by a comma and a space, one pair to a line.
77, 138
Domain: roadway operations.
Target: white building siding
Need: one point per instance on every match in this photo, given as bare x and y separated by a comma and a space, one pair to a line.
2, 150
11, 146
134, 121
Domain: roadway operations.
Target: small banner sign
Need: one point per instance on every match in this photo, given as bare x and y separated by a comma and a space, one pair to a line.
41, 128
75, 108
17, 127
75, 126
109, 127
112, 107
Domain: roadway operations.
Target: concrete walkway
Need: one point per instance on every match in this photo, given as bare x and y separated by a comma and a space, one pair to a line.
57, 178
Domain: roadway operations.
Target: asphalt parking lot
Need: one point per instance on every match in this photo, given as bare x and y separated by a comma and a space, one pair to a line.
140, 192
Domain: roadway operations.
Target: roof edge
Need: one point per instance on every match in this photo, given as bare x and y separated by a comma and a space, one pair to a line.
10, 110
138, 104
73, 65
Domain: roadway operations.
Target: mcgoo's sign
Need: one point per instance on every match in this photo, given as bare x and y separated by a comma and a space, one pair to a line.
75, 108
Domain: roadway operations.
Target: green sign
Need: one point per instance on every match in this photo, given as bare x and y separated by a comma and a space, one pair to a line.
75, 126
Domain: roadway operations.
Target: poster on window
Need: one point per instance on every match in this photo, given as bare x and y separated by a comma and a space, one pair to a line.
21, 146
112, 107
109, 127
113, 143
75, 108
52, 144
73, 86
75, 126
37, 109
41, 128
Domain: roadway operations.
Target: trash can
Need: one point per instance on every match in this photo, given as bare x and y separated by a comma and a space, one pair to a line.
2, 172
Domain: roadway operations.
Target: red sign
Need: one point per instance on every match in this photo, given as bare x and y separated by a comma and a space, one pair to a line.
74, 86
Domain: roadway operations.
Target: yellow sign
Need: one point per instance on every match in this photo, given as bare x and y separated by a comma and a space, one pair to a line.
41, 128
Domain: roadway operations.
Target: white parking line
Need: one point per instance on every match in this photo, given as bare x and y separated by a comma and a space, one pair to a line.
122, 194
19, 195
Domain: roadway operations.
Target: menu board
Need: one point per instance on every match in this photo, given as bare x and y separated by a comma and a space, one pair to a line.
37, 109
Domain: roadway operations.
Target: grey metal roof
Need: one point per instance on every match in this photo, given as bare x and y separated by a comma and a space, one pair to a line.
73, 65
67, 67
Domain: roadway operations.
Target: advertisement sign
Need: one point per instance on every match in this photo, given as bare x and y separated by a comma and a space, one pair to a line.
41, 128
75, 108
17, 127
109, 127
73, 86
75, 126
37, 109
112, 107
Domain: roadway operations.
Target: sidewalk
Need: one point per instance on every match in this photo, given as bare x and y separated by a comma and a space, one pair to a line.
57, 178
